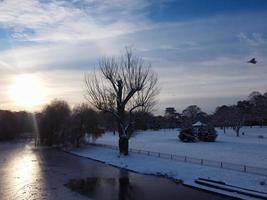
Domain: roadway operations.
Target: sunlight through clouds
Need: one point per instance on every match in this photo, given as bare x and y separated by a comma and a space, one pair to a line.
27, 91
196, 54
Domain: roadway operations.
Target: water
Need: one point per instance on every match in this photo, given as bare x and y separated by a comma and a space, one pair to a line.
28, 173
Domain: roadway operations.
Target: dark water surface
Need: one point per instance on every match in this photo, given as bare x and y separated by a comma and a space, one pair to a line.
28, 173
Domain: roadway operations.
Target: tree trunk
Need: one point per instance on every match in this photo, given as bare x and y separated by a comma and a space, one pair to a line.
237, 131
50, 141
123, 139
124, 145
77, 143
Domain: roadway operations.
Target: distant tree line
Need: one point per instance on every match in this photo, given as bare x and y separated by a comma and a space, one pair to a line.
250, 112
15, 124
59, 124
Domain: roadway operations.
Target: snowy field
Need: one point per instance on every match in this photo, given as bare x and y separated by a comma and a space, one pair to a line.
247, 149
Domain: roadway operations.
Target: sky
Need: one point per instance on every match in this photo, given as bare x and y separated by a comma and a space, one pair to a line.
198, 48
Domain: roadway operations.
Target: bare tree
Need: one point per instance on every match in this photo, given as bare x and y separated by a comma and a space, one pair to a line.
123, 86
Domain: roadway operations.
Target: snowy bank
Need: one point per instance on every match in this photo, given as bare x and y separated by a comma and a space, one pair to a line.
186, 172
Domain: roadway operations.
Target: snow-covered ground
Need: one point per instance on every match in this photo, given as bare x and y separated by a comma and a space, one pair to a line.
247, 149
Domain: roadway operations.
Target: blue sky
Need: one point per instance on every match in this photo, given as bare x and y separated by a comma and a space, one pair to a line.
198, 48
192, 9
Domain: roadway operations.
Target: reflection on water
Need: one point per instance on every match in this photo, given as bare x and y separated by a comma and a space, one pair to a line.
125, 189
25, 167
103, 188
83, 186
23, 172
40, 174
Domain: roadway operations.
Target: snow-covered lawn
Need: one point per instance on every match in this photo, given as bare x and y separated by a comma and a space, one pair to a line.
247, 149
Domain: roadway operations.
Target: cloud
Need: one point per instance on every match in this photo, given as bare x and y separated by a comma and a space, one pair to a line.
68, 21
254, 39
42, 57
198, 60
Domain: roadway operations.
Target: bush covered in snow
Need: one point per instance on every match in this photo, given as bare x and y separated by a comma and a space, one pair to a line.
204, 133
207, 134
187, 135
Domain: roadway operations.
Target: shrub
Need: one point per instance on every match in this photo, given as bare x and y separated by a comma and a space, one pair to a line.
187, 135
207, 134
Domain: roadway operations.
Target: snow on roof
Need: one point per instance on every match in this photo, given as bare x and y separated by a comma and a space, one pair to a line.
198, 124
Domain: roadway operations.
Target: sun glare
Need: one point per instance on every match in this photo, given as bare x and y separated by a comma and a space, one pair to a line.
27, 90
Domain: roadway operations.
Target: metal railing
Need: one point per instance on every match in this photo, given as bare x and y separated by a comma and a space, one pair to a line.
198, 161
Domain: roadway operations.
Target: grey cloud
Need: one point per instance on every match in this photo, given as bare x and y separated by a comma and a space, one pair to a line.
56, 21
254, 39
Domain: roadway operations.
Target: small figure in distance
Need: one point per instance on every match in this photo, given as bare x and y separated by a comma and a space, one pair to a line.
252, 61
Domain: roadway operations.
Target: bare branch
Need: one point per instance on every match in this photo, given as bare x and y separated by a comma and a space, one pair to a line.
126, 85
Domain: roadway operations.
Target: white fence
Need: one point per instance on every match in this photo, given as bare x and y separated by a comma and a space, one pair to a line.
204, 162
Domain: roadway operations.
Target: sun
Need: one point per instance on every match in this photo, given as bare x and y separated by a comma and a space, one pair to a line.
27, 90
